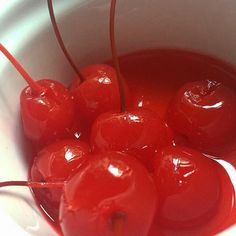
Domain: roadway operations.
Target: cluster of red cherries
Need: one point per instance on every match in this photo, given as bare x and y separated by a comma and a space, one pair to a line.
105, 167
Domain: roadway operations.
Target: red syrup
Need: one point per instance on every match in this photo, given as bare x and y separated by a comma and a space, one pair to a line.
153, 77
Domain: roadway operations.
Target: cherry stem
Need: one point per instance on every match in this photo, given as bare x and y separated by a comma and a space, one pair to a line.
118, 221
60, 40
115, 56
31, 184
33, 85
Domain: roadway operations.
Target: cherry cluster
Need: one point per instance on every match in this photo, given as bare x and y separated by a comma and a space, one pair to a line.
105, 167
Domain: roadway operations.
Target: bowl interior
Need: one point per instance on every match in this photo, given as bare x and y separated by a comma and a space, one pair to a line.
205, 25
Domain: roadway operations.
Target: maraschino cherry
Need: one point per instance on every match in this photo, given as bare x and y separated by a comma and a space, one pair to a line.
47, 108
188, 185
99, 93
95, 89
205, 113
53, 164
111, 194
139, 132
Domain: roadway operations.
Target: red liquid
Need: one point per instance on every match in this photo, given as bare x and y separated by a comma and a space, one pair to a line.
153, 77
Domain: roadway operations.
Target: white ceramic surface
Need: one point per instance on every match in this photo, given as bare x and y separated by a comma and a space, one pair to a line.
203, 25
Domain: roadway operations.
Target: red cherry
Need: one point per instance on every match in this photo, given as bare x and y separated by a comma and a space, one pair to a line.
111, 192
188, 187
205, 112
138, 132
53, 164
104, 88
99, 92
47, 108
47, 116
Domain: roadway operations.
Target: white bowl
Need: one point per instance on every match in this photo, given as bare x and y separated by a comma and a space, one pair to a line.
204, 25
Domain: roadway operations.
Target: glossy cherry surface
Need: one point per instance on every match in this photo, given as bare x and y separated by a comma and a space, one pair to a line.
99, 92
188, 185
107, 186
138, 132
55, 163
49, 115
205, 112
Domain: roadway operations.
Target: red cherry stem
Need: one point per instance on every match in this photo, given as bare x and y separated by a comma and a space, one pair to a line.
115, 56
31, 184
33, 85
60, 40
118, 222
